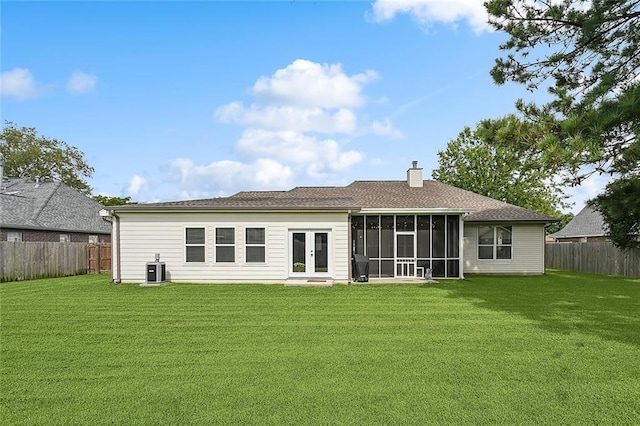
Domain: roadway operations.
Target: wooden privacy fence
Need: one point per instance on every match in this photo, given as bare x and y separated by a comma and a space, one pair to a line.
31, 260
596, 258
99, 258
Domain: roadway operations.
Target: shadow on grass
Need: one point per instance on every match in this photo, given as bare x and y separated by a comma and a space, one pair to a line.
562, 302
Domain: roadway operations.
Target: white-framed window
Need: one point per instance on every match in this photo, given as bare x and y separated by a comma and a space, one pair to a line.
494, 242
195, 244
93, 239
225, 245
65, 238
14, 236
255, 245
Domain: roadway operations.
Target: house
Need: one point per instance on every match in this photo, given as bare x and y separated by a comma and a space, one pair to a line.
586, 227
310, 233
49, 211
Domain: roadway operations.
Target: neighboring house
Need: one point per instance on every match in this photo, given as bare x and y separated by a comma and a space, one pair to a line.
49, 211
586, 227
310, 233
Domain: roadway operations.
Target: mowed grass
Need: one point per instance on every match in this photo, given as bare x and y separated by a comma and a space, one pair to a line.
558, 349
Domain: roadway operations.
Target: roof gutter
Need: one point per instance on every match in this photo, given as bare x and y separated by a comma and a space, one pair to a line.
155, 209
416, 210
490, 221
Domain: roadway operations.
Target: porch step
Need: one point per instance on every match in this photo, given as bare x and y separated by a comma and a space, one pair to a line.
160, 284
308, 282
398, 281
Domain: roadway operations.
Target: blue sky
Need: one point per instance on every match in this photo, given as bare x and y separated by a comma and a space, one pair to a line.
175, 100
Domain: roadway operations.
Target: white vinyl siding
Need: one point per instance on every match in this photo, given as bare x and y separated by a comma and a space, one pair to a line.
527, 251
142, 234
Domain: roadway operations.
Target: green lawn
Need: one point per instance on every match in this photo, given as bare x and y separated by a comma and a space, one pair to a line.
558, 349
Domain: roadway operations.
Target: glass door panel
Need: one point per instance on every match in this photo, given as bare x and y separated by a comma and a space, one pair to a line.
299, 258
321, 254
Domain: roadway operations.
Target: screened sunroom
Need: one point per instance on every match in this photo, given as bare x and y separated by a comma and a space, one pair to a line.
407, 246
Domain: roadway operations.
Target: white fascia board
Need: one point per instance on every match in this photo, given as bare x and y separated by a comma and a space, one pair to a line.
421, 211
204, 210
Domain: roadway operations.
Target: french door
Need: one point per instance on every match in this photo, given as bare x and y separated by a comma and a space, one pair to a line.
309, 253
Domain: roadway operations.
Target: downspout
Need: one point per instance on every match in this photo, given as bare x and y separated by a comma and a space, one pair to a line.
115, 249
461, 243
544, 250
351, 248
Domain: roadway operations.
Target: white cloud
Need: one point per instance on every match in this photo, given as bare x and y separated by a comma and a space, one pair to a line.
80, 83
300, 119
428, 12
302, 98
20, 84
306, 83
320, 156
221, 177
136, 184
384, 128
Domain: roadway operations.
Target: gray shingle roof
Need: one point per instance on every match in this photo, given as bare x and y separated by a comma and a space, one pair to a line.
364, 195
251, 203
588, 222
49, 206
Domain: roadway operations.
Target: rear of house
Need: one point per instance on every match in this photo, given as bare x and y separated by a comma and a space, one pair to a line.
405, 228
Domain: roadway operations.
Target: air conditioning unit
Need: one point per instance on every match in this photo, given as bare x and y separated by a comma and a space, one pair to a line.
156, 272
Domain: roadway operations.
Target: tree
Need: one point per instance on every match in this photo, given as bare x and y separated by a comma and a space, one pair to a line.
27, 154
105, 200
620, 209
588, 54
476, 162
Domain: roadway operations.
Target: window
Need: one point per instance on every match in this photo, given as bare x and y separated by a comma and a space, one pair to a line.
255, 245
65, 238
494, 242
195, 244
225, 245
14, 236
93, 239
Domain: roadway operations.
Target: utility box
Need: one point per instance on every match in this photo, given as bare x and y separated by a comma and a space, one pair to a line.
156, 272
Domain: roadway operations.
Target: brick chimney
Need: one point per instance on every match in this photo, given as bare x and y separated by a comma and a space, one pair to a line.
414, 176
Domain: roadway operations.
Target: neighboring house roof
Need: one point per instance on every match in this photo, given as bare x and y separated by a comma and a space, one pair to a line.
363, 195
587, 223
25, 204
